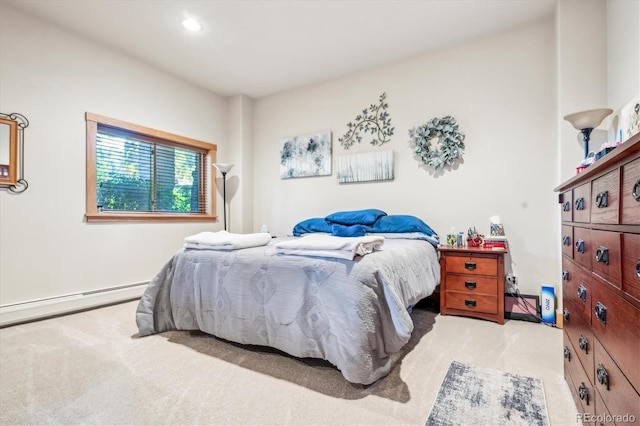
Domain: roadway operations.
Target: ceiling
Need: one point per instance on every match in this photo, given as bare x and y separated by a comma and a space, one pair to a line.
260, 47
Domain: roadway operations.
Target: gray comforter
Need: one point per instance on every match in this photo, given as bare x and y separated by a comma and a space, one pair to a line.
350, 313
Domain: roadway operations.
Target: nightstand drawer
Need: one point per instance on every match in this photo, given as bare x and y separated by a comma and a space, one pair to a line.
472, 302
474, 265
472, 284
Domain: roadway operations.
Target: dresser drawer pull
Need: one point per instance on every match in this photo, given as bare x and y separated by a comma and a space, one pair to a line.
602, 255
565, 275
566, 240
636, 191
566, 206
567, 353
583, 393
603, 376
470, 284
469, 302
602, 199
584, 344
580, 246
470, 265
579, 204
601, 312
582, 293
565, 314
638, 269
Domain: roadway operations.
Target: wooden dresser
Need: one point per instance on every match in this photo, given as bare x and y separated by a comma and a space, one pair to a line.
600, 238
472, 282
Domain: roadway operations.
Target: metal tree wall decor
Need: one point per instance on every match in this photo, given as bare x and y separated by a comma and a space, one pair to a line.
374, 120
448, 147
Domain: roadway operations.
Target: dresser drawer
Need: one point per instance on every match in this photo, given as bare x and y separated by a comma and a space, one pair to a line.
616, 327
602, 413
605, 198
582, 203
578, 289
579, 333
614, 388
567, 241
566, 207
631, 266
607, 261
472, 284
582, 248
472, 302
579, 384
630, 194
472, 264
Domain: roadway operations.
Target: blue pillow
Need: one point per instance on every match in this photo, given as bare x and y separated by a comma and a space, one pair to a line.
317, 224
356, 217
400, 223
347, 231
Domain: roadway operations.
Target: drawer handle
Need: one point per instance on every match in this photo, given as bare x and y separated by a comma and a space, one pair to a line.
582, 293
469, 302
565, 275
638, 269
602, 200
580, 246
601, 312
602, 255
470, 265
470, 284
566, 206
603, 376
583, 393
579, 204
567, 353
565, 314
636, 191
584, 344
566, 240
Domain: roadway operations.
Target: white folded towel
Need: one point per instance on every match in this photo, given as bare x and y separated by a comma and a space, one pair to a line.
223, 240
323, 245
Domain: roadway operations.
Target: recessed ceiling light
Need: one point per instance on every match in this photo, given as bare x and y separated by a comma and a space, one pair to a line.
191, 25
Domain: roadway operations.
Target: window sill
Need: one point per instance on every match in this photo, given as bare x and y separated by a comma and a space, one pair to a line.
149, 217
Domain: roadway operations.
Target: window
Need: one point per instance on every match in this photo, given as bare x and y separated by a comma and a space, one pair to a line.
138, 173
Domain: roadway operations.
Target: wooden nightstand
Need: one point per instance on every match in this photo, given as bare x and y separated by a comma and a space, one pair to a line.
472, 282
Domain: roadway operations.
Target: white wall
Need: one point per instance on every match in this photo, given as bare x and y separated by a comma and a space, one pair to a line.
53, 77
501, 90
623, 52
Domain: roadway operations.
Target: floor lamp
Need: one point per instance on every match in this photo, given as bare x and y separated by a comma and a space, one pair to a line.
224, 169
586, 121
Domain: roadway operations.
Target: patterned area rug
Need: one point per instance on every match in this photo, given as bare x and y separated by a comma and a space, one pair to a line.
472, 395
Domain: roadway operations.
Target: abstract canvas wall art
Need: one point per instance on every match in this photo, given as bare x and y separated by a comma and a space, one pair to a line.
370, 166
306, 155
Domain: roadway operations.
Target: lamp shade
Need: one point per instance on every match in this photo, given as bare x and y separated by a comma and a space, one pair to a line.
589, 119
223, 167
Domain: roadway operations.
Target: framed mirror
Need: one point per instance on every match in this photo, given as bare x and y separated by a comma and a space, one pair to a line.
11, 152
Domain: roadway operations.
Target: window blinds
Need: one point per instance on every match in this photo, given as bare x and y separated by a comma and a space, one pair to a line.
139, 173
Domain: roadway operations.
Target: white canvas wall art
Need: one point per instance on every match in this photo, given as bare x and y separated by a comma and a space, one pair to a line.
371, 166
306, 155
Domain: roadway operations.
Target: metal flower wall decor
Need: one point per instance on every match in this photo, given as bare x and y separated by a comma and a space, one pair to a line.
445, 150
374, 120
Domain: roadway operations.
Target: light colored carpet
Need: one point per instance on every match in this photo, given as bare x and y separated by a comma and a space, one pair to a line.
92, 368
486, 396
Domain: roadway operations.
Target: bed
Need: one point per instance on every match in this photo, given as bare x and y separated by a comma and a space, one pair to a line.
354, 313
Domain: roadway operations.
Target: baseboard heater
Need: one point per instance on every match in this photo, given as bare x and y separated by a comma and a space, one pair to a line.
38, 309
